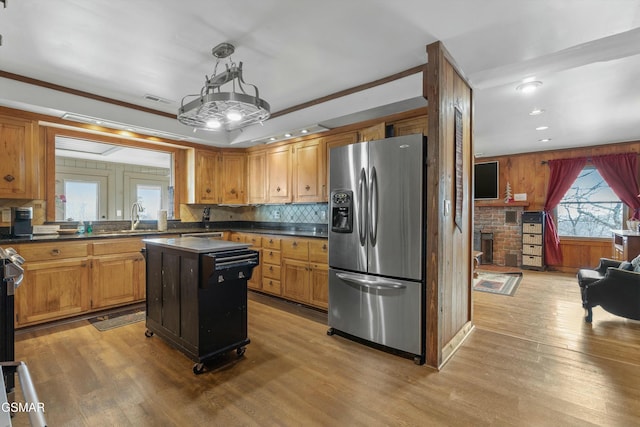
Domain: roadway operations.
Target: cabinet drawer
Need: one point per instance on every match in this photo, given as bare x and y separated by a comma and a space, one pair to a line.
319, 251
271, 271
528, 227
532, 239
271, 257
532, 250
48, 251
531, 260
117, 246
270, 242
254, 240
295, 249
236, 237
272, 286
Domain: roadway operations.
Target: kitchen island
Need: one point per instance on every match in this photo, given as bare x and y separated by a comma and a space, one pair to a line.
197, 295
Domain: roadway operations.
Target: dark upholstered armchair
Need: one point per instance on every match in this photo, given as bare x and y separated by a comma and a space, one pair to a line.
612, 286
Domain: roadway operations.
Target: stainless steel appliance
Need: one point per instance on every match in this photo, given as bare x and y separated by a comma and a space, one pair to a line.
11, 275
21, 221
377, 243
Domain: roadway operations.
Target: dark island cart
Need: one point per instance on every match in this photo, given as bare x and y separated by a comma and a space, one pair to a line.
197, 295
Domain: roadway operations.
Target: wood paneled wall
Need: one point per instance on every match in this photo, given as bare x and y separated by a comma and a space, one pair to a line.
449, 248
527, 174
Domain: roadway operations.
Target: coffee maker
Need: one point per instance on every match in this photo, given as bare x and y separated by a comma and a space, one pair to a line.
21, 221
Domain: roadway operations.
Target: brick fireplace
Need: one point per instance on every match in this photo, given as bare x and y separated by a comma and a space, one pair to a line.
502, 224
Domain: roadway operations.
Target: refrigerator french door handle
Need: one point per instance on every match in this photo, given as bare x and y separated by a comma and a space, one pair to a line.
373, 207
368, 283
362, 213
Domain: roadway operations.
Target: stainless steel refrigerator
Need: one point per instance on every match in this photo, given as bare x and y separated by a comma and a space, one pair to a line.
376, 243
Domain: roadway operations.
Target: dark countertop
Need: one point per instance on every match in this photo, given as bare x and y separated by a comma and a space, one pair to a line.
299, 230
196, 244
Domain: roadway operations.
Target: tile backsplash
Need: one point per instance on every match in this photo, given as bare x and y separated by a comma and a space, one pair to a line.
295, 213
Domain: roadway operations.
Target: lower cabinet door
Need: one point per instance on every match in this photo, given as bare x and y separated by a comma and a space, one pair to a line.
295, 280
52, 290
319, 285
117, 279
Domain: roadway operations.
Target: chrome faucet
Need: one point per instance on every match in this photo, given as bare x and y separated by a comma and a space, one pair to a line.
136, 209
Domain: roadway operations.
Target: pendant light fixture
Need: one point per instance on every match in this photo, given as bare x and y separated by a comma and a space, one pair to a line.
218, 110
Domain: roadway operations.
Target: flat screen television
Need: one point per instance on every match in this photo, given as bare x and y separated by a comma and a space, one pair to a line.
486, 181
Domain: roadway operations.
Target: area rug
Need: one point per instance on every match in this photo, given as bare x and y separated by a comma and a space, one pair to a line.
497, 283
112, 321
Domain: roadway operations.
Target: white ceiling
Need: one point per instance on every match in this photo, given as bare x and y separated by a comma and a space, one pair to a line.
586, 53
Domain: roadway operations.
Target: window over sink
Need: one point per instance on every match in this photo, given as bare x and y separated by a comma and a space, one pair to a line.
99, 177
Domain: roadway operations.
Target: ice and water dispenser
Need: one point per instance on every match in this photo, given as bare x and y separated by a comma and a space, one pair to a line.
342, 211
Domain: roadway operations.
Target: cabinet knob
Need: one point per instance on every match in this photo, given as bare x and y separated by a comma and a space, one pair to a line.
278, 189
308, 187
324, 247
55, 252
233, 191
9, 178
294, 244
208, 190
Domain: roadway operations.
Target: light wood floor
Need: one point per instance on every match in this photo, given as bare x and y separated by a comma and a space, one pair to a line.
531, 361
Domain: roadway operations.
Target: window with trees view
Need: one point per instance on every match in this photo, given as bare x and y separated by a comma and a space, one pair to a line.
590, 208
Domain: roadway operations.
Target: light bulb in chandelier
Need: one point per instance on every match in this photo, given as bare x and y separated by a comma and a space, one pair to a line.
214, 124
234, 116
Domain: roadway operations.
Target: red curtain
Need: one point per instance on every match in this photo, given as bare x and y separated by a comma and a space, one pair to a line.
620, 172
562, 174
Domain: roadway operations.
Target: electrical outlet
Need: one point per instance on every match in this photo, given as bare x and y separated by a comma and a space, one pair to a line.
276, 214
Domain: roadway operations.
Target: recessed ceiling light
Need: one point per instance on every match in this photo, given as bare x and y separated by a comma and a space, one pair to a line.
304, 131
287, 135
273, 138
542, 128
536, 112
544, 140
529, 87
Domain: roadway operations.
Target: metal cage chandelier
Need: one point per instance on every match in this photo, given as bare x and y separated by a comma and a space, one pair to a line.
216, 110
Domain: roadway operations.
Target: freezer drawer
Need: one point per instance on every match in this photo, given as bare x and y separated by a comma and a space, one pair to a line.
384, 311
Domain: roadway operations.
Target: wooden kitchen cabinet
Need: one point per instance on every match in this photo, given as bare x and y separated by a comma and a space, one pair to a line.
279, 174
117, 273
305, 271
271, 265
56, 282
257, 177
21, 167
410, 126
308, 171
232, 179
372, 133
330, 142
66, 279
206, 177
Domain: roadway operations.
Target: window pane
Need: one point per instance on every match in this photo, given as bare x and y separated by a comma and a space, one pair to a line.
590, 208
81, 201
150, 196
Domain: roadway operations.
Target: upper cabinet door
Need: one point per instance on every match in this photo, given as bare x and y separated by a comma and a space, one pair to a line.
234, 166
257, 177
20, 168
279, 174
330, 142
372, 133
308, 171
206, 180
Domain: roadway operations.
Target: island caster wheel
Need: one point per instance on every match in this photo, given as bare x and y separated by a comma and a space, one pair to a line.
240, 351
198, 368
330, 331
148, 333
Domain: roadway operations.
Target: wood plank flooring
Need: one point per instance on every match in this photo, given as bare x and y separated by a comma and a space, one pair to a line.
531, 361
